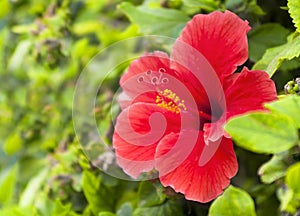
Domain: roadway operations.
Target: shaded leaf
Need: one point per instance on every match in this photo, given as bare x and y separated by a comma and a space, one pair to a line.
273, 169
274, 57
208, 5
170, 207
265, 36
158, 21
125, 210
290, 196
150, 194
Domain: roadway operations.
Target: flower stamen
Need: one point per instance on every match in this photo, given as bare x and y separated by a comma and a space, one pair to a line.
170, 101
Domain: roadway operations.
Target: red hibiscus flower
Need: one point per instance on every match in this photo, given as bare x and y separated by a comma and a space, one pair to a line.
174, 108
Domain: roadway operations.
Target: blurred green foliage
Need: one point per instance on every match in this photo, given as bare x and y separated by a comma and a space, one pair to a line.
44, 46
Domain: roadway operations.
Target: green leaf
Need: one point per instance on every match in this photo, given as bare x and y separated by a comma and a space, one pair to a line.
274, 57
18, 211
234, 201
290, 106
208, 5
5, 7
19, 55
13, 143
290, 196
293, 178
285, 196
273, 169
158, 21
8, 180
170, 207
264, 37
294, 10
106, 214
151, 194
97, 193
125, 210
263, 132
29, 194
62, 210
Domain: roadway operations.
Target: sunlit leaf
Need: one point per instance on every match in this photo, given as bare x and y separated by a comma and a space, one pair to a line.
233, 201
294, 10
34, 185
62, 210
18, 211
5, 8
13, 143
263, 132
289, 106
8, 180
293, 178
106, 214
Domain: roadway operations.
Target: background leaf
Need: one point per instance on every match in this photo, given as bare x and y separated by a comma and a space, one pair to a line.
293, 178
34, 185
274, 57
290, 196
169, 207
265, 36
8, 181
233, 201
158, 21
151, 194
273, 169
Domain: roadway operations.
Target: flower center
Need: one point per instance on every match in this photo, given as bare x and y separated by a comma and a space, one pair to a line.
170, 101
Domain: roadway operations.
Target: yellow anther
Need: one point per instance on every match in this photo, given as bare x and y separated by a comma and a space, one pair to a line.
170, 101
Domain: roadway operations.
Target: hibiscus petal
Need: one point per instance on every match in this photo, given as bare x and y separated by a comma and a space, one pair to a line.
148, 61
138, 130
144, 74
245, 91
220, 37
249, 91
198, 183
